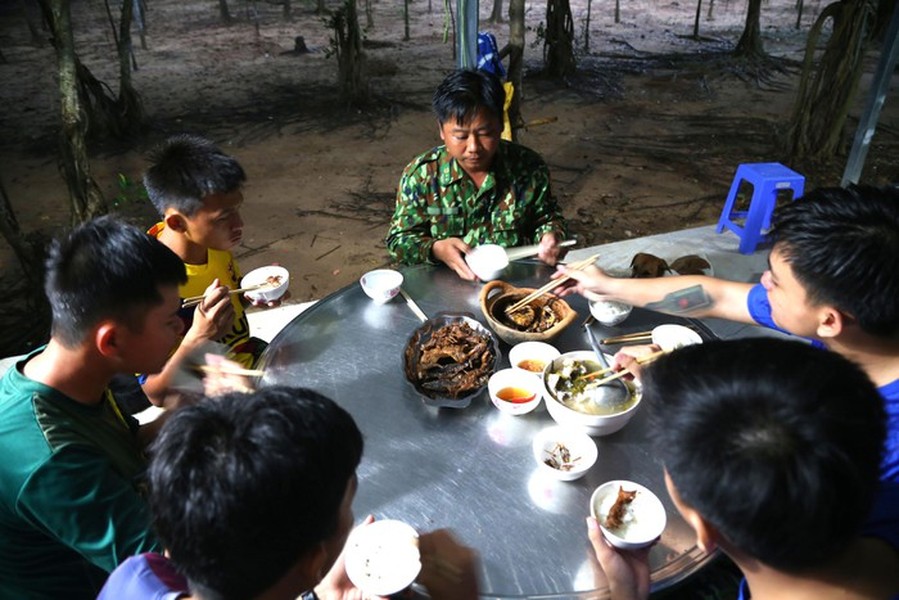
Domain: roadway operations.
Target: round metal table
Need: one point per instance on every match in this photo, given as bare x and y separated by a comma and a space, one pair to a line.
471, 470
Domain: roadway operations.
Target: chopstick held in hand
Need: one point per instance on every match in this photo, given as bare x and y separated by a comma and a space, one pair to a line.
552, 284
194, 300
642, 360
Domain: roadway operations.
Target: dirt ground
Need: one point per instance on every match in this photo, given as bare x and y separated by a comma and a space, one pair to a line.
638, 143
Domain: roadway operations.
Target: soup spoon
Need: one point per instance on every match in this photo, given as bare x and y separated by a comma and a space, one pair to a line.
612, 393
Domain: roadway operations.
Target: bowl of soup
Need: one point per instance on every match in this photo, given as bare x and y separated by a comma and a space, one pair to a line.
571, 395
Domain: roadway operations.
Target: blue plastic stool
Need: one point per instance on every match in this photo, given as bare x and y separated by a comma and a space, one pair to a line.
767, 179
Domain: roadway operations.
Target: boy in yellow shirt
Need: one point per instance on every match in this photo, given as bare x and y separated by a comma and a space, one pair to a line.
196, 189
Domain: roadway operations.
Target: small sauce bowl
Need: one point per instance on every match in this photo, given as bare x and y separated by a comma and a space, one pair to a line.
532, 356
514, 391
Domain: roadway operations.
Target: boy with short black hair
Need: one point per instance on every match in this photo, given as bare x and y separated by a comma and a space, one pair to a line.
833, 277
267, 514
197, 190
771, 450
71, 476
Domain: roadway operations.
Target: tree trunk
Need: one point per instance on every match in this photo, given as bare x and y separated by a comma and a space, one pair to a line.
130, 116
516, 62
696, 20
558, 48
288, 11
799, 13
587, 25
369, 15
406, 20
750, 44
320, 8
710, 16
87, 200
350, 57
36, 38
496, 15
224, 12
618, 11
30, 255
140, 20
827, 91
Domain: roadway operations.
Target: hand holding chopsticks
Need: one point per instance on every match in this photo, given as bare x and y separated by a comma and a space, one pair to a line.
577, 266
609, 376
194, 300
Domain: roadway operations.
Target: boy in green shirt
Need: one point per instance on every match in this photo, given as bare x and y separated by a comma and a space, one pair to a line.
70, 481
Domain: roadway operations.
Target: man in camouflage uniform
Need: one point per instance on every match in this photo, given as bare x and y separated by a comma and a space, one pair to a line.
476, 188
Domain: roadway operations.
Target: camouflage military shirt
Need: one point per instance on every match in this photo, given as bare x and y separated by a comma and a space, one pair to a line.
436, 200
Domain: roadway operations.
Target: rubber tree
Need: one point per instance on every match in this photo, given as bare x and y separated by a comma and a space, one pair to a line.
750, 44
496, 15
558, 41
224, 13
27, 250
828, 87
86, 199
516, 61
130, 115
347, 45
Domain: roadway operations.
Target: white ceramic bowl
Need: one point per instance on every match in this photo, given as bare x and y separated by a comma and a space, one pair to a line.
593, 424
381, 285
278, 276
514, 391
382, 558
609, 312
548, 452
487, 261
671, 337
644, 520
532, 356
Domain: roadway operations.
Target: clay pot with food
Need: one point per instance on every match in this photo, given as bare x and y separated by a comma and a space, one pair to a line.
540, 320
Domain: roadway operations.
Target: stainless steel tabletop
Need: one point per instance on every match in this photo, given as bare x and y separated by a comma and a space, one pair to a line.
471, 470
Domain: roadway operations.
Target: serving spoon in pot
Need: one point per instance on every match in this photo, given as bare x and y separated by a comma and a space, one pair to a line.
609, 394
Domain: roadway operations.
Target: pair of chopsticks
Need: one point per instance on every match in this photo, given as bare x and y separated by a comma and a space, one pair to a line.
228, 370
629, 338
415, 308
532, 250
552, 284
194, 300
618, 374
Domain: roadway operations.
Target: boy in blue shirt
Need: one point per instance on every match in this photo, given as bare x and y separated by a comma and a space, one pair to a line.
833, 278
771, 451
